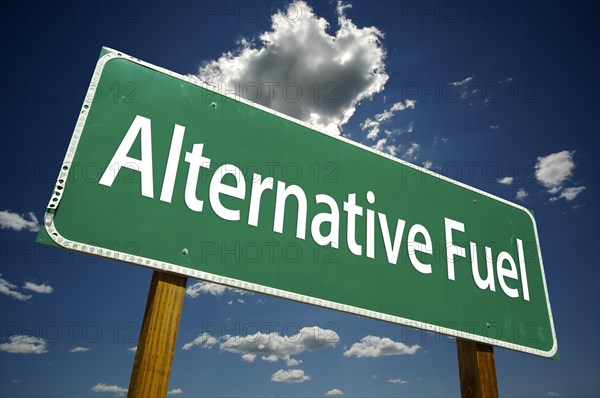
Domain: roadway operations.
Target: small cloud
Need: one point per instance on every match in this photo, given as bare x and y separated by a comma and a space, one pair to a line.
569, 194
553, 394
373, 126
427, 164
397, 381
16, 381
80, 349
10, 289
41, 289
132, 349
335, 392
506, 180
374, 347
290, 376
175, 391
462, 82
293, 362
411, 152
522, 194
22, 344
382, 147
204, 340
554, 170
16, 222
101, 387
506, 80
495, 126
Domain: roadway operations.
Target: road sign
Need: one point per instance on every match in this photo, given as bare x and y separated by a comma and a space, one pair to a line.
164, 172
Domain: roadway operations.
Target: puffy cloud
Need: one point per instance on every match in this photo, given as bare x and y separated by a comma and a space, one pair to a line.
17, 222
554, 170
290, 376
175, 391
495, 126
569, 194
506, 180
79, 349
22, 344
397, 381
11, 290
522, 194
428, 164
335, 392
271, 347
101, 387
204, 340
41, 289
301, 70
374, 347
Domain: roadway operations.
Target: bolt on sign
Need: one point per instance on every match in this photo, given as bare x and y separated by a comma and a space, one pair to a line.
164, 172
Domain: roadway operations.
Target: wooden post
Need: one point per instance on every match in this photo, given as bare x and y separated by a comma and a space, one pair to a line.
156, 346
477, 370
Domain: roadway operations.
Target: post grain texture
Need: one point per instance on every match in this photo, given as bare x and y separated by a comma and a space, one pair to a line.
477, 370
156, 346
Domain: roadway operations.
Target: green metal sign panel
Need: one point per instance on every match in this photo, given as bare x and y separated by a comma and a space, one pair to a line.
164, 172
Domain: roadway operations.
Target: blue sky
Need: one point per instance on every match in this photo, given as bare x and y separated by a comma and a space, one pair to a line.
502, 96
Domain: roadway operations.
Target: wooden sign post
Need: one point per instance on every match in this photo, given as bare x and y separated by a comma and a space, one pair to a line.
156, 346
477, 370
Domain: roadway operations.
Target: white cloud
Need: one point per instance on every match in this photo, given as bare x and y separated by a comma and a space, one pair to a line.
374, 347
381, 146
21, 344
397, 381
522, 194
270, 347
290, 376
14, 221
41, 289
411, 152
554, 170
506, 180
204, 340
80, 349
428, 164
374, 126
553, 394
495, 126
303, 71
175, 391
462, 82
199, 288
335, 392
132, 349
101, 387
11, 290
569, 194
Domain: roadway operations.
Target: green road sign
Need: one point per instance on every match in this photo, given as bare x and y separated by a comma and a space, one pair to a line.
164, 172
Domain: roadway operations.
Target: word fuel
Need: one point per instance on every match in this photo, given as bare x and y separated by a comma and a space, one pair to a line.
418, 237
